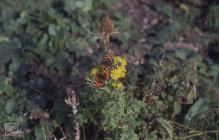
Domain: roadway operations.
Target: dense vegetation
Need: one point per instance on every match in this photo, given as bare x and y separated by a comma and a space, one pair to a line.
164, 80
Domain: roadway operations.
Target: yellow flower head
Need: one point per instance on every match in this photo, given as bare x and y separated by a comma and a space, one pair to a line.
119, 70
118, 85
119, 61
118, 73
94, 72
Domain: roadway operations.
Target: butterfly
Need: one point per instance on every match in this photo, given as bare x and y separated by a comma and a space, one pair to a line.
98, 83
104, 71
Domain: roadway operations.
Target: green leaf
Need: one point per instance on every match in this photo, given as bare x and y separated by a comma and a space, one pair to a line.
6, 53
44, 39
129, 135
43, 131
213, 17
4, 39
10, 106
8, 89
60, 111
60, 61
181, 53
70, 5
198, 108
38, 133
79, 4
53, 29
78, 46
177, 108
14, 66
164, 8
5, 86
87, 5
167, 125
109, 3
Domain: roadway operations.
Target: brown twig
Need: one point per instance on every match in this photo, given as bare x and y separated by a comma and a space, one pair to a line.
72, 101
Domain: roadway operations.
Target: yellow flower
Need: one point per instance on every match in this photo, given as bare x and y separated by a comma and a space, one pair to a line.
119, 61
94, 72
118, 85
119, 70
118, 73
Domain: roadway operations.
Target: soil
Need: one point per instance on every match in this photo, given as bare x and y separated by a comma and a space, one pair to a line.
145, 17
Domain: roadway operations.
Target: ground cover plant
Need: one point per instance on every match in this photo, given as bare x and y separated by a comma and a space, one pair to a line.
114, 70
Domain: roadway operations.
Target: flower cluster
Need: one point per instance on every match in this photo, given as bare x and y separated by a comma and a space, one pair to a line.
116, 72
119, 68
118, 85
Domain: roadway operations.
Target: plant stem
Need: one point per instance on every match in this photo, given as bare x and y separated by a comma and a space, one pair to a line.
44, 135
184, 126
199, 134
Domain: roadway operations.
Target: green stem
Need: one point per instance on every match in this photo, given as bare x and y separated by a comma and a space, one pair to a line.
184, 126
199, 134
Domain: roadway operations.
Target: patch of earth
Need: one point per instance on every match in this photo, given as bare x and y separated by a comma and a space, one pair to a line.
144, 16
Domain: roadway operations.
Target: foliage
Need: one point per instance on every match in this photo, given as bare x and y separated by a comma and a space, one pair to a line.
48, 46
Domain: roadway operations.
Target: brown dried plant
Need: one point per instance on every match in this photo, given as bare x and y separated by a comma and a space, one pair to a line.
107, 30
73, 102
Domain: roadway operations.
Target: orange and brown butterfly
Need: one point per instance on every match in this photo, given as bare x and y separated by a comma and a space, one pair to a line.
99, 83
108, 60
104, 71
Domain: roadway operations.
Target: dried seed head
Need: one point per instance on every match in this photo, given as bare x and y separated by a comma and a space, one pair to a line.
107, 26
